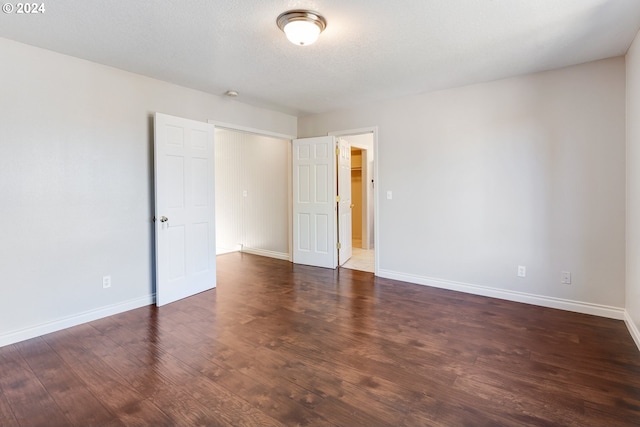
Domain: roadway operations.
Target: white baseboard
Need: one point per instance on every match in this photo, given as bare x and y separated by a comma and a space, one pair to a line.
264, 252
77, 319
223, 251
633, 330
544, 301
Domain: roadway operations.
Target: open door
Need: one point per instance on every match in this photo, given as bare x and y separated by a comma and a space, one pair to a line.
345, 205
314, 202
184, 211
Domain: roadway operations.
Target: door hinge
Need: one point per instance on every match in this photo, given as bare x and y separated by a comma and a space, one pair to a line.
339, 245
337, 151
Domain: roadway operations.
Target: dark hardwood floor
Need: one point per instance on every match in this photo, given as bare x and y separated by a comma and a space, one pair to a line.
277, 344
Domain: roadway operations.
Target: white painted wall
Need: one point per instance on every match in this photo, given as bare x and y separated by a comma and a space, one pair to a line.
229, 202
525, 171
76, 184
633, 189
252, 193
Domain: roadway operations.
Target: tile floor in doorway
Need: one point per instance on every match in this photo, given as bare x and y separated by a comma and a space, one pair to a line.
361, 259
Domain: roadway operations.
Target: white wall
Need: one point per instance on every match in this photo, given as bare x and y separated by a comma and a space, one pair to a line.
525, 171
633, 189
76, 184
252, 193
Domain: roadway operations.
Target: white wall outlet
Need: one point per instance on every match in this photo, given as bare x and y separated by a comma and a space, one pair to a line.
522, 271
389, 195
106, 282
245, 193
566, 277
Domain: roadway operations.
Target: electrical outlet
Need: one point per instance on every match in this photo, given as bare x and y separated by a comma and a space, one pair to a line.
522, 271
106, 282
566, 277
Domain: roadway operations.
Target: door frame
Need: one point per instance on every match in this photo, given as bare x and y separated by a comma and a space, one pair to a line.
376, 196
230, 126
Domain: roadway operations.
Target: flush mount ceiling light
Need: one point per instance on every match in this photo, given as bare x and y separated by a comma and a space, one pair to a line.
302, 27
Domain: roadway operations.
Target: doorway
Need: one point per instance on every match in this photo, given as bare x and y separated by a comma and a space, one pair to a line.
253, 191
362, 198
320, 228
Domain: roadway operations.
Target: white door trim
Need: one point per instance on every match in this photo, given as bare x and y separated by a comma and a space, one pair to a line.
250, 130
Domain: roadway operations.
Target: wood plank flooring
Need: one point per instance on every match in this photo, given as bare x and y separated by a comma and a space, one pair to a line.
277, 344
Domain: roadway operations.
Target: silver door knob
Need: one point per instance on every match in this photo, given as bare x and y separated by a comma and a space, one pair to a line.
164, 219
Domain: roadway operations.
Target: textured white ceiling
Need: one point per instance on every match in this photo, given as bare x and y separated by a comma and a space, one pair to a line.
371, 50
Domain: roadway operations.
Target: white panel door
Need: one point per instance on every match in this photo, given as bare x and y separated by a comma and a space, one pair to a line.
314, 202
185, 210
345, 206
